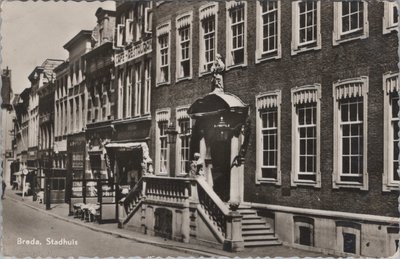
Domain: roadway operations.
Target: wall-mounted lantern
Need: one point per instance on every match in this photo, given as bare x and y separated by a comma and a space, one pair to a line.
171, 133
222, 130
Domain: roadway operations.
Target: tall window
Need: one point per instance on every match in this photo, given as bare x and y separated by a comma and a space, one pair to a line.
268, 29
236, 33
390, 17
120, 94
184, 135
128, 93
208, 36
351, 20
147, 87
391, 179
306, 25
350, 119
138, 88
305, 136
162, 147
164, 56
163, 125
184, 48
268, 140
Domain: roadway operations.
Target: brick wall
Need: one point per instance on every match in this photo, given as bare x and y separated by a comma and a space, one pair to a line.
370, 57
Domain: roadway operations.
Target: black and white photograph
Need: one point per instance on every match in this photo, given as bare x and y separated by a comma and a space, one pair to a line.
258, 128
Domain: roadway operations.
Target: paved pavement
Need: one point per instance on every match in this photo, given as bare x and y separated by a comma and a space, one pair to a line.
29, 221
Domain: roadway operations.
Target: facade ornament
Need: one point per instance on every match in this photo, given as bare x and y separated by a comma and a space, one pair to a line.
217, 68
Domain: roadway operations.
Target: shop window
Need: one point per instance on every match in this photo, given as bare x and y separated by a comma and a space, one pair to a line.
208, 36
350, 21
305, 136
268, 136
268, 35
163, 50
303, 231
306, 24
390, 17
391, 179
184, 46
236, 33
350, 125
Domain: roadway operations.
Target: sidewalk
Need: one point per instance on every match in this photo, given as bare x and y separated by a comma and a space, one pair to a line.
60, 211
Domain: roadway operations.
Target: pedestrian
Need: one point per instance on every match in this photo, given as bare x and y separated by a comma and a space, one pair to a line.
3, 184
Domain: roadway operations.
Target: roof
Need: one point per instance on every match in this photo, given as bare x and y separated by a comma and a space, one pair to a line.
83, 34
217, 102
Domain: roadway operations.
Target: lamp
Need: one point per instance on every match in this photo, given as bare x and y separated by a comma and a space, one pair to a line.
171, 133
222, 130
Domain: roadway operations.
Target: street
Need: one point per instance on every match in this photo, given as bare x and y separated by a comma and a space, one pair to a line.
27, 232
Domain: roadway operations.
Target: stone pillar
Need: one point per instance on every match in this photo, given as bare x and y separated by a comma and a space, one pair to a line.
234, 239
235, 172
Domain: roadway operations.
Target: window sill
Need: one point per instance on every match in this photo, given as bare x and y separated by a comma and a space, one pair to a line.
351, 185
235, 66
205, 73
304, 49
390, 187
390, 29
268, 57
181, 79
339, 41
268, 181
299, 183
162, 84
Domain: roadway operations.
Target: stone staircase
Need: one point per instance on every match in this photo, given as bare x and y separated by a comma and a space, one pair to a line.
255, 230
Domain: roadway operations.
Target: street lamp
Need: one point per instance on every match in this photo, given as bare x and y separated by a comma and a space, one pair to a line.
222, 130
171, 133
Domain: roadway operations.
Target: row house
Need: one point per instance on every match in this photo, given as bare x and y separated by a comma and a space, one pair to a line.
291, 136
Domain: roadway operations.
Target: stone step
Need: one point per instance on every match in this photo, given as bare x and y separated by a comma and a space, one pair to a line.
250, 216
253, 221
262, 243
249, 232
247, 211
260, 238
255, 227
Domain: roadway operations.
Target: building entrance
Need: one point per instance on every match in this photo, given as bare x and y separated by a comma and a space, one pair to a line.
220, 156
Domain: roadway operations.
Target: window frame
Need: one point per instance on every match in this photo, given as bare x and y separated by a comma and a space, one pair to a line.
337, 138
229, 35
388, 183
337, 25
264, 101
147, 87
181, 114
214, 9
162, 115
298, 47
178, 46
301, 221
315, 90
163, 29
343, 227
387, 23
271, 54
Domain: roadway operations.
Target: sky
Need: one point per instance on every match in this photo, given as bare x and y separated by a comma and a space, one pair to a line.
31, 32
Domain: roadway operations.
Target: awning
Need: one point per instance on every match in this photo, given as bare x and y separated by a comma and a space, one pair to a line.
130, 146
217, 102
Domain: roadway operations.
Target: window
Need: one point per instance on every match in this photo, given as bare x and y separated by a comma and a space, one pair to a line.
120, 94
350, 126
303, 230
306, 25
391, 179
351, 21
147, 87
236, 33
208, 36
162, 147
305, 136
268, 29
184, 48
183, 140
164, 56
390, 17
348, 237
128, 93
138, 89
268, 137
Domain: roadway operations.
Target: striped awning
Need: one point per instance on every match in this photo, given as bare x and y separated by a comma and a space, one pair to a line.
305, 96
163, 29
182, 113
267, 101
233, 4
392, 83
183, 21
163, 115
349, 90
